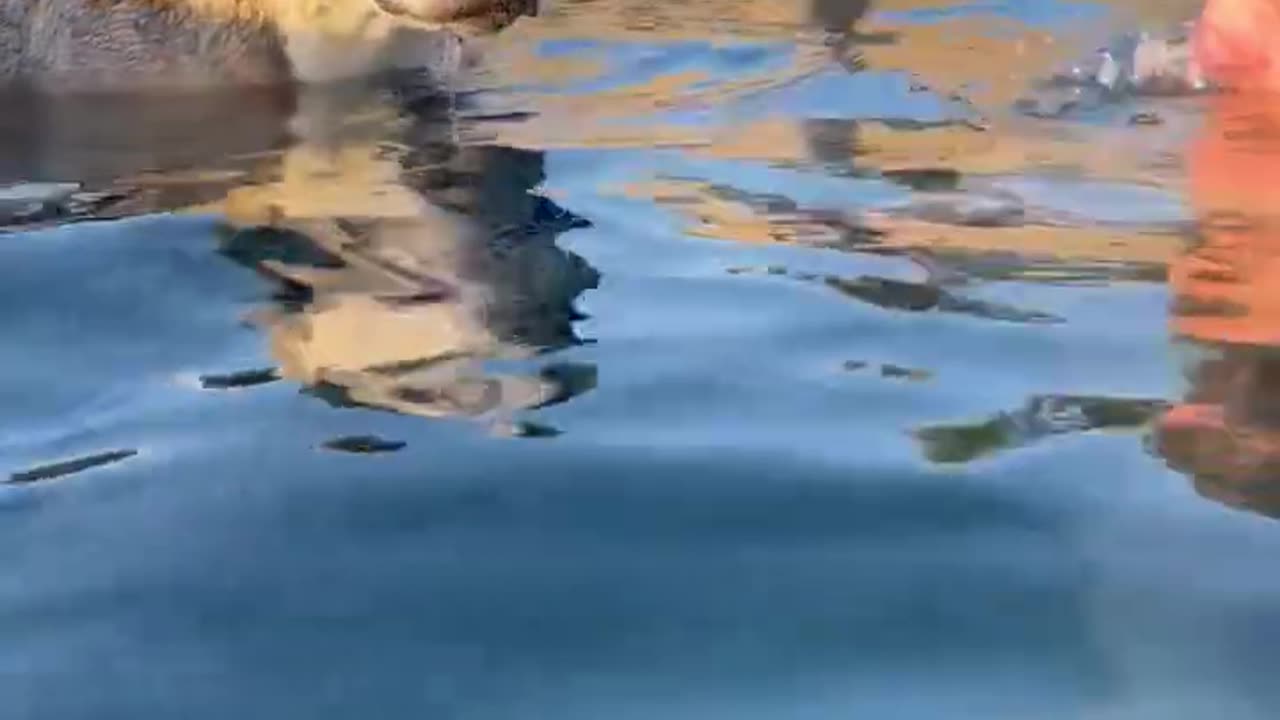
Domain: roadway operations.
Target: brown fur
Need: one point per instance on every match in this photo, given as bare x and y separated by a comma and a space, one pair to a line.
131, 44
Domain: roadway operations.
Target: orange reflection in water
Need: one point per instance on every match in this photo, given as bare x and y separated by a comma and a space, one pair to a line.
1226, 298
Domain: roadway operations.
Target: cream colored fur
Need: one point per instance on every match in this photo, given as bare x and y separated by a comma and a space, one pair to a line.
131, 44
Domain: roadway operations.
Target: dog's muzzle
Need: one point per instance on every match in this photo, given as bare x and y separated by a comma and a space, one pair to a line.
463, 16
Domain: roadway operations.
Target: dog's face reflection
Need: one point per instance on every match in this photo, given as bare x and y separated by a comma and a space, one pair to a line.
404, 267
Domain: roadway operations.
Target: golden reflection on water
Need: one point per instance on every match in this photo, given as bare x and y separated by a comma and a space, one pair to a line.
984, 62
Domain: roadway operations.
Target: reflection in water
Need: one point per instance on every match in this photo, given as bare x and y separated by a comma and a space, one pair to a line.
1078, 197
1043, 200
1225, 434
922, 297
1041, 417
738, 522
102, 139
406, 259
406, 262
125, 155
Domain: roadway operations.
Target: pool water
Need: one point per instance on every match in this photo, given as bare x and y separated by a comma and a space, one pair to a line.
685, 360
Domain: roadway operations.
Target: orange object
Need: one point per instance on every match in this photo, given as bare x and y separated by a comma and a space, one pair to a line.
1227, 287
1225, 435
1235, 43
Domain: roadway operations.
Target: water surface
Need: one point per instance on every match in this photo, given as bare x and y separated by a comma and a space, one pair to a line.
693, 359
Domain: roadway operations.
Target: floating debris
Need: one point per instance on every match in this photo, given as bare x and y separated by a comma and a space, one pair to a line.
1146, 118
528, 429
241, 379
890, 371
363, 445
898, 372
69, 467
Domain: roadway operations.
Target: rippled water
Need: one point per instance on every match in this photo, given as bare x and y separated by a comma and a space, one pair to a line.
687, 360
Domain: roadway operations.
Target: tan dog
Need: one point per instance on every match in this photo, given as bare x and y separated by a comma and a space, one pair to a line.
78, 45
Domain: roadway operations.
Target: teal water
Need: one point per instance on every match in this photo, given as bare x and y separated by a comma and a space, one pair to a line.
586, 397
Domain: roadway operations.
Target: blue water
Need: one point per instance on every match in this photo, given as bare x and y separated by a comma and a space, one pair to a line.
643, 429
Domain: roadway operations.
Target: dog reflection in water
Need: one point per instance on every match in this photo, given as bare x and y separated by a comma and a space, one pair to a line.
407, 263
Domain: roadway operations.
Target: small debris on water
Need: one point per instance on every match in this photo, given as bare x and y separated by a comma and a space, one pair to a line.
898, 372
1146, 118
363, 444
890, 371
240, 379
69, 467
528, 429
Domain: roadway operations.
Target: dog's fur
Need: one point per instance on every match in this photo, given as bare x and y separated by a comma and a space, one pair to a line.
152, 44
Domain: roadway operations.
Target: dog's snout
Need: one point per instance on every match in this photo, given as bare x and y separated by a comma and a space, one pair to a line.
465, 16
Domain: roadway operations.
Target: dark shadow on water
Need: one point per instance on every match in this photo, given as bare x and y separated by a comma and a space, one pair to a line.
177, 140
64, 468
1225, 434
1040, 418
363, 445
